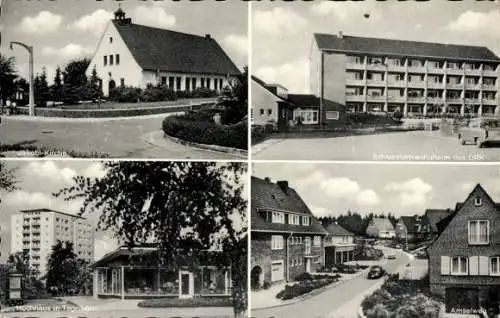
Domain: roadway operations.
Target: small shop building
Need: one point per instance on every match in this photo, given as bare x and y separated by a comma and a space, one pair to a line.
135, 273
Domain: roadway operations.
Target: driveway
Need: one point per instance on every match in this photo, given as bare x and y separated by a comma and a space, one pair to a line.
340, 301
116, 137
400, 146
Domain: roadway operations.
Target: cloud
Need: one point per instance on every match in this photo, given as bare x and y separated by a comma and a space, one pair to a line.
70, 51
413, 192
46, 171
319, 211
94, 22
293, 75
153, 16
368, 198
94, 170
44, 22
278, 21
346, 11
476, 22
104, 245
237, 43
24, 200
417, 26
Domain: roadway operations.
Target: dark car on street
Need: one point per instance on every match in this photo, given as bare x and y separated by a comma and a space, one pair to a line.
376, 272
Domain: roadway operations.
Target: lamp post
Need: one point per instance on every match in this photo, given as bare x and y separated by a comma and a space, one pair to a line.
31, 89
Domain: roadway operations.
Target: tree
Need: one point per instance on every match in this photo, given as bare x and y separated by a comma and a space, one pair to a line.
57, 87
62, 270
8, 181
42, 92
235, 100
186, 207
19, 262
94, 86
75, 81
7, 77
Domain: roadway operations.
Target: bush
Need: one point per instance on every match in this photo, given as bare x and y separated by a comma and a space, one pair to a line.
259, 134
369, 119
304, 287
193, 302
303, 276
125, 94
157, 93
204, 132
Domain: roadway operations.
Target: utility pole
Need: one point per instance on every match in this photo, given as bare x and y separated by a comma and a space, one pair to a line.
31, 89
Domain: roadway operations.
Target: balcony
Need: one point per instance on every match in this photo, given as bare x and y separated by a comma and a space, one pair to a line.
396, 99
396, 68
435, 100
416, 99
473, 72
375, 82
454, 100
470, 101
396, 83
376, 98
490, 101
416, 69
376, 67
490, 72
489, 87
435, 70
355, 98
354, 66
357, 82
454, 71
455, 86
419, 84
475, 87
435, 85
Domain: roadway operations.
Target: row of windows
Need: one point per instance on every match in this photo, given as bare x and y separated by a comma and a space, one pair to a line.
112, 59
400, 77
473, 265
191, 82
419, 63
296, 261
277, 241
279, 217
412, 92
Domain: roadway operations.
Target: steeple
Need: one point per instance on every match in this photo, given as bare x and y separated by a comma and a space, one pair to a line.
120, 16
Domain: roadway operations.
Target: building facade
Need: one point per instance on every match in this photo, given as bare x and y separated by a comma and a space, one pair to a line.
464, 261
416, 78
36, 231
129, 54
339, 245
380, 228
286, 238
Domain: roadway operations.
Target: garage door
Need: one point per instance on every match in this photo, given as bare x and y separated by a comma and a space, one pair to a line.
277, 271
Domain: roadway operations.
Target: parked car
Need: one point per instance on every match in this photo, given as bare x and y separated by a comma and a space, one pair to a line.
391, 256
375, 272
480, 131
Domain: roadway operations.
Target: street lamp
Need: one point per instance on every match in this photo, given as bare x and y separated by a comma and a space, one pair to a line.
31, 89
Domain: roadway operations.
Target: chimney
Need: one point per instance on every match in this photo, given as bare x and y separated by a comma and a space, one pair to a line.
283, 185
340, 35
207, 36
267, 180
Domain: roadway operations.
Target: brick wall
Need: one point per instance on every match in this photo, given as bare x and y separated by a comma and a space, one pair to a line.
262, 254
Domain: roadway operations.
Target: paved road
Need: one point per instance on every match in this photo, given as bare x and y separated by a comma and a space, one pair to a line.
137, 313
401, 146
118, 138
330, 301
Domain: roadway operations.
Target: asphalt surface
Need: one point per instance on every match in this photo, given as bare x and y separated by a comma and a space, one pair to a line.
399, 146
328, 303
116, 138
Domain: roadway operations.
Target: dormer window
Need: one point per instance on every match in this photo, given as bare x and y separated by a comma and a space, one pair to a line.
294, 219
305, 220
278, 217
478, 202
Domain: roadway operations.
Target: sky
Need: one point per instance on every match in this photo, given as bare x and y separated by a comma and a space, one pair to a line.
282, 32
61, 31
330, 189
39, 179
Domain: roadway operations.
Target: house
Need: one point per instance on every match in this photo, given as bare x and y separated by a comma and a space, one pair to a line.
410, 228
416, 78
134, 273
314, 113
265, 102
432, 217
339, 245
286, 238
464, 260
129, 54
380, 228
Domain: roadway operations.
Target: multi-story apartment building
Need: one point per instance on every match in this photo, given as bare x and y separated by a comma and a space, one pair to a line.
287, 239
464, 260
416, 78
36, 231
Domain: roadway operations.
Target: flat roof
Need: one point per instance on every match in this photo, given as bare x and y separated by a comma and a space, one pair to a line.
50, 210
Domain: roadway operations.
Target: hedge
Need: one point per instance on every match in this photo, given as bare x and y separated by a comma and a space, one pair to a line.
192, 302
207, 132
304, 287
129, 94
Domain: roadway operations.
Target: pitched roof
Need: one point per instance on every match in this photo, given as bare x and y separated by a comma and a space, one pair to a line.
433, 216
312, 100
335, 229
383, 224
330, 42
269, 196
411, 223
160, 49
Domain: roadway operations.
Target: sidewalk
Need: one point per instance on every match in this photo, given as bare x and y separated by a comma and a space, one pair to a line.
263, 299
85, 119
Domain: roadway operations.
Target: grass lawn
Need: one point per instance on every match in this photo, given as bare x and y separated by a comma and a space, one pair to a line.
192, 302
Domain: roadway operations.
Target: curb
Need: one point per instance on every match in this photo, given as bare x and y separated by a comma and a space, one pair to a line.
216, 148
311, 293
86, 119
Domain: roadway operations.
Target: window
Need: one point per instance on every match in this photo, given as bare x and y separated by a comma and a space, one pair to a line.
278, 217
294, 219
261, 111
122, 82
111, 60
355, 59
307, 117
277, 242
317, 241
415, 63
269, 112
187, 84
193, 82
171, 82
459, 265
105, 60
317, 260
117, 59
299, 240
202, 82
208, 83
163, 80
434, 64
479, 232
495, 266
110, 39
305, 220
345, 239
178, 83
478, 202
488, 81
332, 115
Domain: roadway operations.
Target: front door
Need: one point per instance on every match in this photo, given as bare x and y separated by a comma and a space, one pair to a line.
186, 284
283, 117
308, 265
277, 271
